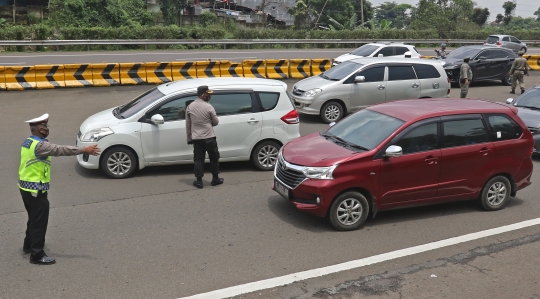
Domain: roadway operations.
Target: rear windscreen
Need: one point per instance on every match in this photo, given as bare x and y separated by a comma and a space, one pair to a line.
492, 40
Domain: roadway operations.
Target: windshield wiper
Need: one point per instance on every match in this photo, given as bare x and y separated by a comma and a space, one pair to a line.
530, 107
325, 76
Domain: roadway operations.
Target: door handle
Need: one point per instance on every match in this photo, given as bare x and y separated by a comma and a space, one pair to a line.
415, 85
485, 151
380, 87
431, 160
252, 121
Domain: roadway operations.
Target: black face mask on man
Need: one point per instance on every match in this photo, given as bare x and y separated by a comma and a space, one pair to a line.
44, 130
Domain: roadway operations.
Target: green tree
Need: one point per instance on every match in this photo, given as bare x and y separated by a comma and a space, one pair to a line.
172, 10
340, 10
537, 14
442, 15
480, 15
395, 13
499, 18
509, 8
302, 14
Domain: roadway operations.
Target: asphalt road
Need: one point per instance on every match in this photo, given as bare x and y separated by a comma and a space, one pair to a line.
156, 236
32, 58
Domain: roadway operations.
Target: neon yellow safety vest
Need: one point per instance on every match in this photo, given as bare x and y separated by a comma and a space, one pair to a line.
34, 172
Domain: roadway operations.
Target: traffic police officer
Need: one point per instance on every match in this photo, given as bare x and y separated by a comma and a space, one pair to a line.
34, 180
519, 68
442, 52
465, 77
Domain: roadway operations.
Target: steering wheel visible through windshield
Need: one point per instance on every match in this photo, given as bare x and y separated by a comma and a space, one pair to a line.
363, 130
341, 71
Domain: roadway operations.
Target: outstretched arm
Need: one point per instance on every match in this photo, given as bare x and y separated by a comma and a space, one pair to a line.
45, 149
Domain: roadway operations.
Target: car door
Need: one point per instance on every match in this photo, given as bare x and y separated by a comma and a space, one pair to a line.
385, 52
400, 51
402, 82
481, 65
167, 143
240, 122
372, 90
431, 83
515, 44
499, 62
466, 155
415, 175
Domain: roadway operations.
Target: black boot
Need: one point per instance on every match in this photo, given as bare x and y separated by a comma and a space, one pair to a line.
522, 90
216, 180
198, 183
513, 91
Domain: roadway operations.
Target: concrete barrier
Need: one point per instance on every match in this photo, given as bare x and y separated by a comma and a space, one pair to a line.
230, 69
2, 78
132, 73
277, 68
159, 72
254, 68
533, 61
105, 74
208, 69
300, 68
319, 66
20, 77
78, 75
182, 70
50, 76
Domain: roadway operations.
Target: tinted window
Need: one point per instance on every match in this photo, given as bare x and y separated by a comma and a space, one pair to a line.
499, 54
506, 39
423, 138
139, 103
365, 50
463, 52
530, 99
514, 40
269, 100
426, 71
374, 74
401, 50
486, 54
388, 51
174, 109
492, 40
227, 104
341, 70
503, 128
464, 132
365, 128
401, 72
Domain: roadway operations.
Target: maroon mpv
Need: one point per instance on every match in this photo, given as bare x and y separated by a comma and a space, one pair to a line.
406, 153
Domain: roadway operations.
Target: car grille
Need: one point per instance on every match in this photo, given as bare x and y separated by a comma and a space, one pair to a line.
298, 92
290, 177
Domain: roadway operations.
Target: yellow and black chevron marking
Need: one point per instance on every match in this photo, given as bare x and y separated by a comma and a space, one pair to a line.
182, 70
105, 74
78, 75
158, 72
277, 69
2, 78
132, 73
533, 61
50, 76
300, 68
319, 66
254, 68
20, 77
208, 69
231, 69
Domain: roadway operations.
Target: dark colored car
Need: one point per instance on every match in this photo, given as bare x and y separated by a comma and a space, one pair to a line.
487, 63
528, 105
407, 153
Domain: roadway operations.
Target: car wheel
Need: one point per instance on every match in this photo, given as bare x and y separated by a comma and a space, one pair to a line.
331, 112
507, 77
349, 211
265, 154
496, 193
118, 162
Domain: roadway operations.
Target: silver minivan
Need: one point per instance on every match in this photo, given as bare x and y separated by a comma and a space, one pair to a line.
362, 82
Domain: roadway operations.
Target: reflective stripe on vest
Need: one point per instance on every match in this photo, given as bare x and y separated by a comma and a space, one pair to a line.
34, 172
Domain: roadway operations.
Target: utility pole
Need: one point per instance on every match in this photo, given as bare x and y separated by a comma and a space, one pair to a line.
317, 22
362, 10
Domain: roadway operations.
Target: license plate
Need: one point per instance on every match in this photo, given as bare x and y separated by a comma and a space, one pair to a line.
281, 189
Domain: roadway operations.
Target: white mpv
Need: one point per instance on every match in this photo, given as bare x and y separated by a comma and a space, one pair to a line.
256, 118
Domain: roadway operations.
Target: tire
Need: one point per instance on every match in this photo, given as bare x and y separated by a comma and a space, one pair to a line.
331, 112
118, 162
349, 211
495, 193
265, 154
507, 79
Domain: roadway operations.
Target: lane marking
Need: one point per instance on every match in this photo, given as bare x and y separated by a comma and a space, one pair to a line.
12, 63
288, 279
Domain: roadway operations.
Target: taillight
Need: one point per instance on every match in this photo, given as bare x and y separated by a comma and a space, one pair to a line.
485, 43
449, 85
291, 118
499, 44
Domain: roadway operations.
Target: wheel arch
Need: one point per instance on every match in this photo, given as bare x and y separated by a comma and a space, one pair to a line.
261, 141
513, 184
339, 101
102, 156
365, 193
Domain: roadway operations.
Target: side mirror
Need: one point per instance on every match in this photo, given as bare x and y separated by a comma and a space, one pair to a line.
394, 151
157, 119
332, 124
509, 101
359, 79
482, 58
380, 55
408, 54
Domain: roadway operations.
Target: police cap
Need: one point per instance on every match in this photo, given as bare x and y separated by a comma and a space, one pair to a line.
39, 120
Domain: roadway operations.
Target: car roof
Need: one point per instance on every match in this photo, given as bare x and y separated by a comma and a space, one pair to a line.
390, 59
484, 47
408, 110
500, 35
217, 83
389, 44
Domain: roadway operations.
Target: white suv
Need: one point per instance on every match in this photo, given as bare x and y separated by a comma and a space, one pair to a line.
379, 49
256, 118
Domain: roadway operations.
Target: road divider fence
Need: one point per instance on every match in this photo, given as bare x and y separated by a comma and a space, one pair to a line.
254, 68
319, 66
228, 68
132, 73
50, 76
182, 70
277, 69
78, 75
20, 77
105, 74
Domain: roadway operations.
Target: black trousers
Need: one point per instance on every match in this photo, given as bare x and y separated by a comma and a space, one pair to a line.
38, 218
200, 148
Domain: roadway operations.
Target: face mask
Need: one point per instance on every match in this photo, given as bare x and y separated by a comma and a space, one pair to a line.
44, 132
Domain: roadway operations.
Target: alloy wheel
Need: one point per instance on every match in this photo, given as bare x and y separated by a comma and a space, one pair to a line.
268, 155
349, 211
119, 163
496, 194
332, 113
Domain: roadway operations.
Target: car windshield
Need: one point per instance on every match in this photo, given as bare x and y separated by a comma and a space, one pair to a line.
341, 70
133, 107
365, 50
463, 52
492, 39
365, 129
529, 99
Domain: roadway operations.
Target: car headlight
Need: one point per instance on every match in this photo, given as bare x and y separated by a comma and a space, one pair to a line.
312, 92
321, 173
95, 135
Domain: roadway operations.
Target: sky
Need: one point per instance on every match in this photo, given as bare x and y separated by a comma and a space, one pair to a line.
524, 8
